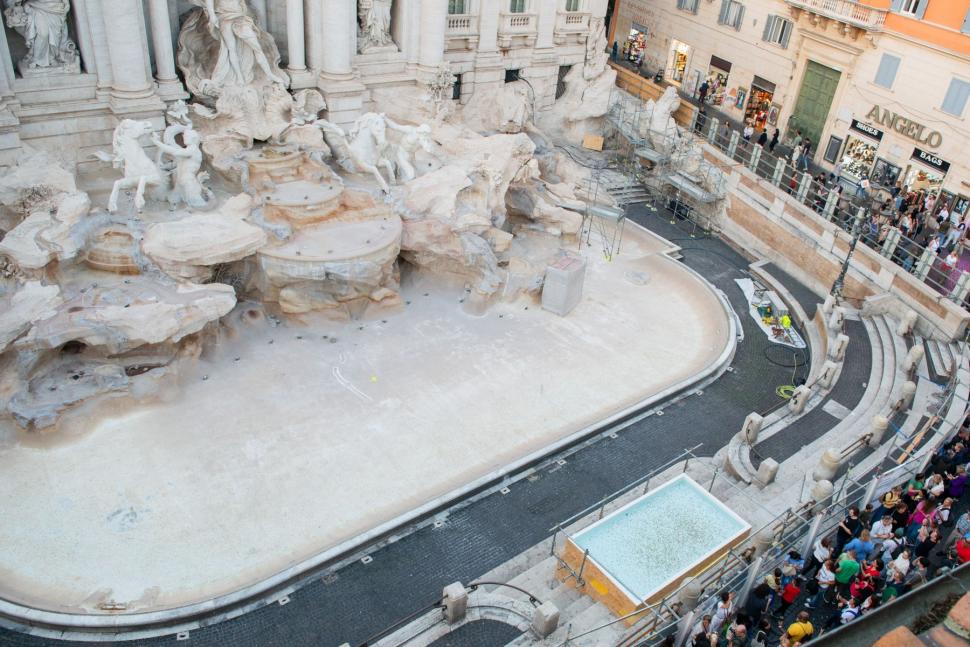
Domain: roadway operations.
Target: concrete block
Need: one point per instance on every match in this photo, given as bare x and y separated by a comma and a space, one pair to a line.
690, 593
878, 429
913, 358
838, 346
907, 323
958, 619
822, 491
763, 541
827, 376
751, 428
899, 637
767, 471
545, 619
799, 399
828, 465
456, 602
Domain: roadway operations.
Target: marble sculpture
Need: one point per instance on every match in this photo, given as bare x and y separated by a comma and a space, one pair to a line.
43, 24
374, 29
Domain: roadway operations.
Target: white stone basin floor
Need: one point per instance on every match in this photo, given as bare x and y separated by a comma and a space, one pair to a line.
304, 442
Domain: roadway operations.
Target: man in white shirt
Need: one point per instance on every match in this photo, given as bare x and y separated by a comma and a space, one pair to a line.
882, 529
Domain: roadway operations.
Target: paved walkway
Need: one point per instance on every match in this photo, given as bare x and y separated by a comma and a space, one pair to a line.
360, 600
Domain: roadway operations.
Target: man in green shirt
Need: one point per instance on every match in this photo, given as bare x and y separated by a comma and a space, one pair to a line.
848, 568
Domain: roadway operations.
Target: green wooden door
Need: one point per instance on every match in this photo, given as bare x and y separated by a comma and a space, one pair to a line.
814, 101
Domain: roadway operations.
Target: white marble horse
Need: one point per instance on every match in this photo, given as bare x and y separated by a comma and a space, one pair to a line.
140, 172
364, 149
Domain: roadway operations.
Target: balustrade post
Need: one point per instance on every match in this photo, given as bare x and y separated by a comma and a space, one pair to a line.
803, 186
712, 131
755, 158
961, 289
924, 264
779, 171
733, 144
831, 201
891, 242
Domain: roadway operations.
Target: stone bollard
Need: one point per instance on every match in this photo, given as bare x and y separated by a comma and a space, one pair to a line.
838, 346
877, 428
690, 593
913, 358
763, 541
456, 602
827, 376
907, 324
906, 395
822, 492
799, 399
828, 465
751, 428
828, 305
545, 619
767, 471
837, 318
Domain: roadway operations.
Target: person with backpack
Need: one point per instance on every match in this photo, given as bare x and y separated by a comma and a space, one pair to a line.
802, 629
847, 612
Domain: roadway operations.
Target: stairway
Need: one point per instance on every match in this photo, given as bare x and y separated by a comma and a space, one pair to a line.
628, 192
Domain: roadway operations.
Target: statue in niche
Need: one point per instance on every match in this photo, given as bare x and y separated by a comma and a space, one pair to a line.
374, 29
221, 46
43, 24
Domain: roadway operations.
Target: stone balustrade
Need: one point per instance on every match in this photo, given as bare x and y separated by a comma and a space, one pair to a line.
570, 25
517, 26
849, 12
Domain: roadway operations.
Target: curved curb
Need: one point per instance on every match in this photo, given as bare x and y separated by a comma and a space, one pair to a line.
91, 627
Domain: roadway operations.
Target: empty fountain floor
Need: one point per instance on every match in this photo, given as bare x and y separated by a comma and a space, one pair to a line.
806, 298
848, 391
410, 573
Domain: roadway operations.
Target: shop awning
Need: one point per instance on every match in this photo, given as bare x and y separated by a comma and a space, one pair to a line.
931, 160
720, 63
763, 84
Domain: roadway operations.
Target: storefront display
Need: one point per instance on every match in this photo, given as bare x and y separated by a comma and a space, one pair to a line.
926, 172
758, 110
717, 79
635, 44
858, 158
885, 174
679, 60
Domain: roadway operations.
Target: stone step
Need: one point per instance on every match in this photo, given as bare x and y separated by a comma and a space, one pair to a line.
595, 616
539, 579
939, 359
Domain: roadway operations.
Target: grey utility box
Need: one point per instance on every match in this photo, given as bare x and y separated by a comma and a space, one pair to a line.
563, 287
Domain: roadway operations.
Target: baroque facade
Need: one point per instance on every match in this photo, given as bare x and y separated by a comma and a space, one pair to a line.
881, 86
87, 64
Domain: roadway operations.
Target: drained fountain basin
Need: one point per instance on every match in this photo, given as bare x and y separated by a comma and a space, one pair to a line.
644, 550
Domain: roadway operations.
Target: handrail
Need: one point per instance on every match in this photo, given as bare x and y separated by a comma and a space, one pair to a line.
536, 602
383, 633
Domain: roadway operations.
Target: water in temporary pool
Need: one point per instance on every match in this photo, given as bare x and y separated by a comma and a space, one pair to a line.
651, 541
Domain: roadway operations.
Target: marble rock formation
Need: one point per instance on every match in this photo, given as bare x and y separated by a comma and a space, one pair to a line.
119, 316
187, 249
45, 236
36, 182
31, 303
506, 110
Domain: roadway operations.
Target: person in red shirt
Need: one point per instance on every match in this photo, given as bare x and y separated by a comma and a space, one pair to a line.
788, 595
963, 549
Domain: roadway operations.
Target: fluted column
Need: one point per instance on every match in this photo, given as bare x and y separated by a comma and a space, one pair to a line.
295, 36
434, 16
165, 74
338, 22
84, 41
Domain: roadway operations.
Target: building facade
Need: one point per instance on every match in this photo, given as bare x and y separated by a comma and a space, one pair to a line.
881, 86
118, 58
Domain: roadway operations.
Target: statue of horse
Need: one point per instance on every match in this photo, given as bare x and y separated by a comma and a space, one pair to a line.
139, 170
364, 150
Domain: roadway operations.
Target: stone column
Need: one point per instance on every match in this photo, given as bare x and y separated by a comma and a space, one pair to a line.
547, 11
131, 87
343, 92
84, 41
259, 11
169, 85
295, 36
9, 124
102, 60
489, 69
434, 18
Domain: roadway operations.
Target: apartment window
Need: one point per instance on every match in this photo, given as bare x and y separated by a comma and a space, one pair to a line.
732, 13
561, 80
910, 7
517, 6
572, 5
886, 74
511, 75
456, 7
777, 30
915, 8
456, 88
688, 5
955, 101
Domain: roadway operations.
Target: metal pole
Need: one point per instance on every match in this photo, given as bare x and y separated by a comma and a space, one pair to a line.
582, 567
812, 533
870, 491
753, 571
856, 232
713, 478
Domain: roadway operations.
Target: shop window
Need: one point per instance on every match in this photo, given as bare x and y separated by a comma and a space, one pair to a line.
517, 6
732, 14
511, 75
914, 8
688, 5
777, 30
832, 150
456, 7
456, 88
561, 81
955, 101
886, 74
885, 173
572, 5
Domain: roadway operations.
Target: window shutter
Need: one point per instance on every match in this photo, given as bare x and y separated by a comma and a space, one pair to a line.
786, 29
725, 7
769, 24
966, 24
921, 9
740, 19
896, 6
955, 101
886, 74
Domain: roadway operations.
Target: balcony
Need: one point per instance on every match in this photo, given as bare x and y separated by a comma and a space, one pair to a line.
461, 32
850, 17
571, 25
517, 29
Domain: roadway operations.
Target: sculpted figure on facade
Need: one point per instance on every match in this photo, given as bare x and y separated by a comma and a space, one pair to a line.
413, 139
375, 24
43, 24
221, 46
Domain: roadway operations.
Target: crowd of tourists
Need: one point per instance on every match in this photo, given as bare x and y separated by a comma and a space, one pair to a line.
876, 554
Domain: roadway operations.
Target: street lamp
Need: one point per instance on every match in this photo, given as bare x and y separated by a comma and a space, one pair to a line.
856, 233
